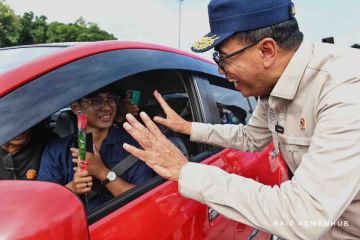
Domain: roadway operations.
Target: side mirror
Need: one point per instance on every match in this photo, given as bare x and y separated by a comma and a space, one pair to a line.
40, 210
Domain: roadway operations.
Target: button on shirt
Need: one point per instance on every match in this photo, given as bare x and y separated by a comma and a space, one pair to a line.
57, 166
317, 103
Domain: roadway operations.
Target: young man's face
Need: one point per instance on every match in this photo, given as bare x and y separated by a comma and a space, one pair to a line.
100, 109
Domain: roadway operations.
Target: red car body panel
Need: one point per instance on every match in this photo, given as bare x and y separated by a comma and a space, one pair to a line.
164, 202
23, 217
20, 75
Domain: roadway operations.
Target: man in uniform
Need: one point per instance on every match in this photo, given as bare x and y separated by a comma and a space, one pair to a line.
309, 105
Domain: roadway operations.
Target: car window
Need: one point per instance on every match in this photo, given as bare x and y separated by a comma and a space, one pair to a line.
233, 107
169, 83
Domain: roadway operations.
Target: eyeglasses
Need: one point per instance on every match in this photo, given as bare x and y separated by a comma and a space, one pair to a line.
219, 60
98, 102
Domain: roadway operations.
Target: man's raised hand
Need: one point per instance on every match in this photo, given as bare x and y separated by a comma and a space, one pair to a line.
173, 120
158, 152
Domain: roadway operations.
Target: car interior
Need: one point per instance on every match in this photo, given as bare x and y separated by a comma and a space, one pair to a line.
63, 122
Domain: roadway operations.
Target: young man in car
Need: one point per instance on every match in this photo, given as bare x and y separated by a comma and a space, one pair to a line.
58, 158
309, 106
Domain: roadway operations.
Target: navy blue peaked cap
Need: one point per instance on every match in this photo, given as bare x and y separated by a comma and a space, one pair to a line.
227, 17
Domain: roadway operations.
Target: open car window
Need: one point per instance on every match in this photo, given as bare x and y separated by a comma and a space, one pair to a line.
171, 85
233, 107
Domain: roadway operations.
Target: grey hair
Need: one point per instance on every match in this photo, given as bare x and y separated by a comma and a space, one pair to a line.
286, 34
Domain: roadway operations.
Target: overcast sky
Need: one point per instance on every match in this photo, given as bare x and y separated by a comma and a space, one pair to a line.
157, 21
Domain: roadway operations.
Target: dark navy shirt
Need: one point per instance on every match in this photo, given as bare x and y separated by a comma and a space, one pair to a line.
56, 162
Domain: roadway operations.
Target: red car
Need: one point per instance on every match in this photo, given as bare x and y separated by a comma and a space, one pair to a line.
37, 84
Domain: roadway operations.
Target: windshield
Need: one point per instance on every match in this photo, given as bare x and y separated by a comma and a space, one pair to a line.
13, 57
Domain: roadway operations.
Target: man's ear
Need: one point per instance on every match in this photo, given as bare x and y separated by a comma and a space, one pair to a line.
75, 107
269, 51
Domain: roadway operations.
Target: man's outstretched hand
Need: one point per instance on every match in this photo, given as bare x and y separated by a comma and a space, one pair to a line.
157, 151
173, 120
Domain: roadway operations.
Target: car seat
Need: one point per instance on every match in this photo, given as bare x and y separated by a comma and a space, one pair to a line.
65, 123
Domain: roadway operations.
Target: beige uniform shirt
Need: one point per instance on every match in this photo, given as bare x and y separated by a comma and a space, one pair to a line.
317, 103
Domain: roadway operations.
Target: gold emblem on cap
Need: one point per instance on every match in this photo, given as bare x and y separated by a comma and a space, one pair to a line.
292, 10
302, 123
31, 174
205, 42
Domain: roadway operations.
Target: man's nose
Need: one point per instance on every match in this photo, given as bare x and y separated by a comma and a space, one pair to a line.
105, 105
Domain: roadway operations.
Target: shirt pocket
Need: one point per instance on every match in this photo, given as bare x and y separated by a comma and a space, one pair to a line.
293, 149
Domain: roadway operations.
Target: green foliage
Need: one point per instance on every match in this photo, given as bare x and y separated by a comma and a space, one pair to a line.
80, 31
10, 26
31, 29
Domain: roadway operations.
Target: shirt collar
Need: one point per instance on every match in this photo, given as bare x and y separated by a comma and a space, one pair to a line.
289, 81
114, 136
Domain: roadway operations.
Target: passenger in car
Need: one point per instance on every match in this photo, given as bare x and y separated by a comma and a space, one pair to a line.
58, 158
125, 106
231, 114
20, 157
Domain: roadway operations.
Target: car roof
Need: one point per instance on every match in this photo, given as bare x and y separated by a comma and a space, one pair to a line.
20, 75
62, 44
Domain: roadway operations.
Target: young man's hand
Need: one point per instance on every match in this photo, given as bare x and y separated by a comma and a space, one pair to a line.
96, 166
81, 183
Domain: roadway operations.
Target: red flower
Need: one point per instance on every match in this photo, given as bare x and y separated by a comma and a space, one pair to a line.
82, 121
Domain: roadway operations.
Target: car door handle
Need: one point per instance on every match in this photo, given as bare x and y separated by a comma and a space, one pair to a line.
253, 234
212, 214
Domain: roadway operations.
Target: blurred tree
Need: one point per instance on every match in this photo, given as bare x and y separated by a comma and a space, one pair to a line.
60, 32
31, 29
39, 29
80, 31
92, 32
10, 26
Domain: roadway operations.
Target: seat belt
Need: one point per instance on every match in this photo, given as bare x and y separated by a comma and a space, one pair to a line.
124, 164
